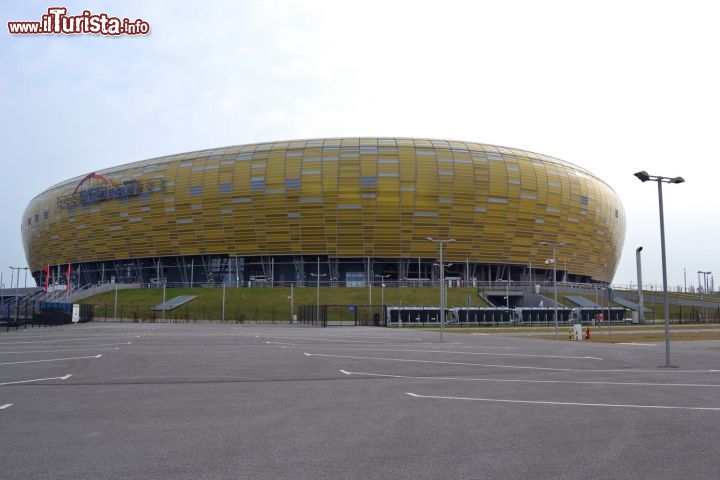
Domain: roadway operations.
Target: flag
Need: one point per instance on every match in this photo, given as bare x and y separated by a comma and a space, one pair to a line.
46, 270
67, 277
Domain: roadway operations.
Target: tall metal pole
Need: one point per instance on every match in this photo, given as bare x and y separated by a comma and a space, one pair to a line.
292, 302
317, 277
163, 307
115, 311
382, 296
382, 301
440, 243
17, 298
369, 277
442, 293
554, 245
644, 177
641, 308
555, 288
666, 299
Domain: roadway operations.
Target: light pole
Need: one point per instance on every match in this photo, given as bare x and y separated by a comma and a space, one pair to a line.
17, 292
440, 243
705, 291
317, 277
292, 303
370, 280
382, 295
644, 177
641, 308
554, 245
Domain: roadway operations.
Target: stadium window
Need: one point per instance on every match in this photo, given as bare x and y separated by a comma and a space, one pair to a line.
257, 183
225, 188
584, 200
292, 183
196, 190
368, 182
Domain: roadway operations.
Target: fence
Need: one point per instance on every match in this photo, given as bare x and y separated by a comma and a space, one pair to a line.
35, 312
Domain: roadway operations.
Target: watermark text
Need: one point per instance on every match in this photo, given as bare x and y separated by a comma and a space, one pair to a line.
58, 22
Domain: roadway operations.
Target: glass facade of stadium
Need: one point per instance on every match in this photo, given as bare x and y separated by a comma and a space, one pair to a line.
267, 214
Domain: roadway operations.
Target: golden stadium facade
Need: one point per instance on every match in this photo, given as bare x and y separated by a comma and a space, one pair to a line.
267, 212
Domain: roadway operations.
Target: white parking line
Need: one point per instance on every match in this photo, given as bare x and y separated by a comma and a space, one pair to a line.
25, 352
516, 367
65, 340
3, 407
538, 402
451, 352
37, 380
368, 341
51, 360
506, 380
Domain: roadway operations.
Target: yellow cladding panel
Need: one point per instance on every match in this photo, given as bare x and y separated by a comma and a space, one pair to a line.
345, 197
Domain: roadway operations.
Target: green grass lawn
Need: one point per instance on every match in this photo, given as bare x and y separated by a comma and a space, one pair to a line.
266, 304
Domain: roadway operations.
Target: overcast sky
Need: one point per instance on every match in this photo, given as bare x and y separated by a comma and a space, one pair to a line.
612, 86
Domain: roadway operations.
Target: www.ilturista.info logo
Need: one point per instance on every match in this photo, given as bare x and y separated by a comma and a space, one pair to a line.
58, 22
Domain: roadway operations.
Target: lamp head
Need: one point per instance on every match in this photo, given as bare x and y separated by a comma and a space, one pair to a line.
643, 176
677, 180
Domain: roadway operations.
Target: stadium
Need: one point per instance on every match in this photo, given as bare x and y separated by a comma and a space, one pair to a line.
341, 211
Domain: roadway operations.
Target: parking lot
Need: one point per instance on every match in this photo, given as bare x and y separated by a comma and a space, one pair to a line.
266, 402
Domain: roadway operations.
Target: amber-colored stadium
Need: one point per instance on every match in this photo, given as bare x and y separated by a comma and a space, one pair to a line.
266, 213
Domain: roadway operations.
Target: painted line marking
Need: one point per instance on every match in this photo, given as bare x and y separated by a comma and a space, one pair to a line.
386, 349
51, 360
586, 370
575, 404
506, 380
367, 341
23, 352
637, 344
38, 380
455, 352
3, 407
63, 340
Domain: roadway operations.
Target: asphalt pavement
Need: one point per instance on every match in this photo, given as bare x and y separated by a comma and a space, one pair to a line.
192, 401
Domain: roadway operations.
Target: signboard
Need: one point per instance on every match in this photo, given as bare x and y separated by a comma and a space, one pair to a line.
75, 313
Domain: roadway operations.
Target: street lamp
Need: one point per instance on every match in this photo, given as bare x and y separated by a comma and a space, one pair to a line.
641, 306
440, 243
382, 295
17, 291
705, 291
644, 177
317, 276
554, 245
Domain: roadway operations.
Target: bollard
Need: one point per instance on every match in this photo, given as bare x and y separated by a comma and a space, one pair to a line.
587, 333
